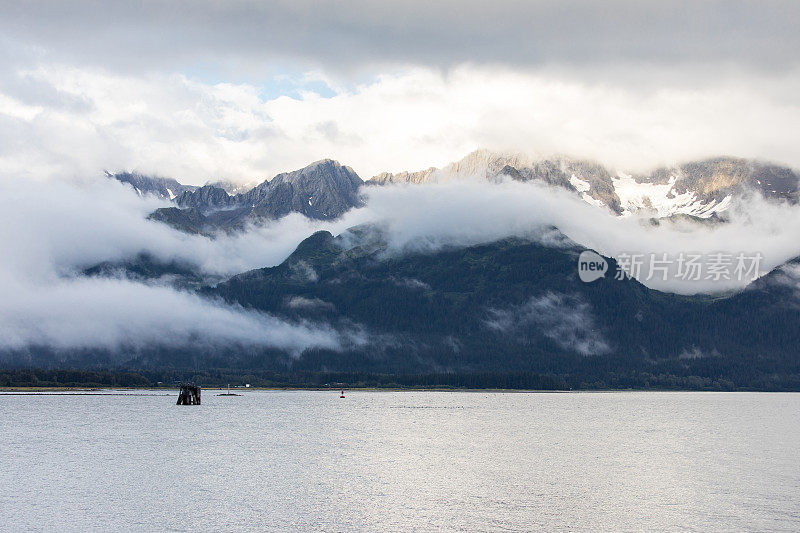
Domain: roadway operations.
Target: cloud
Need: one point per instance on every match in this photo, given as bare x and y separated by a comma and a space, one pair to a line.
696, 353
789, 276
57, 228
113, 313
424, 218
50, 231
303, 272
411, 283
208, 35
175, 126
301, 302
565, 319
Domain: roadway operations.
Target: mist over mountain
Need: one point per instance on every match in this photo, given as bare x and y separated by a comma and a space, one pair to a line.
164, 188
699, 188
323, 190
517, 305
326, 189
512, 305
469, 268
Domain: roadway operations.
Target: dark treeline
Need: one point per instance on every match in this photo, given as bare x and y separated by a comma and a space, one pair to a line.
38, 377
455, 380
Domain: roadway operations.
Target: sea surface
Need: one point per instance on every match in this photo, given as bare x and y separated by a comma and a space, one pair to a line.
401, 461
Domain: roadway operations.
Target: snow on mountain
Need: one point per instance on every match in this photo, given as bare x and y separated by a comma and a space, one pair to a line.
700, 188
662, 200
325, 189
164, 188
579, 184
232, 188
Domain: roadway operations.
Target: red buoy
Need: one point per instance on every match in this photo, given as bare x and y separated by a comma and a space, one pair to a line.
342, 396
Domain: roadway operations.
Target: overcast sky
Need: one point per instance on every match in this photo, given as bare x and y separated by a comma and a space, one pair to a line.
243, 90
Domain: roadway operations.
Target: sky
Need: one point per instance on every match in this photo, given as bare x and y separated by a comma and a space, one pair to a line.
241, 90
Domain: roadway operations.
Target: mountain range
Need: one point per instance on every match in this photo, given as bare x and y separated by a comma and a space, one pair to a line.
326, 189
509, 306
323, 190
518, 305
699, 188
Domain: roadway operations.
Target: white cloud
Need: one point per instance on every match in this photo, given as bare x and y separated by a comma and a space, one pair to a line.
112, 313
301, 302
463, 213
173, 126
50, 231
565, 319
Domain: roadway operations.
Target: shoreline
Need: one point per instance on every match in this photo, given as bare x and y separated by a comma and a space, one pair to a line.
168, 391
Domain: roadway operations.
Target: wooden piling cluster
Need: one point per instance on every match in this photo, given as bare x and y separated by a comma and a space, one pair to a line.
189, 394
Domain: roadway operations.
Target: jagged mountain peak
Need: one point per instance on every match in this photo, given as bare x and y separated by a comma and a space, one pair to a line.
488, 164
323, 190
206, 197
230, 187
324, 169
699, 188
165, 188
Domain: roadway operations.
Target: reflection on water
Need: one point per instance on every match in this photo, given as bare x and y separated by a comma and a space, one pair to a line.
400, 461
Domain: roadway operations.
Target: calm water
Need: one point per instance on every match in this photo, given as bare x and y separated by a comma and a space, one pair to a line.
420, 461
